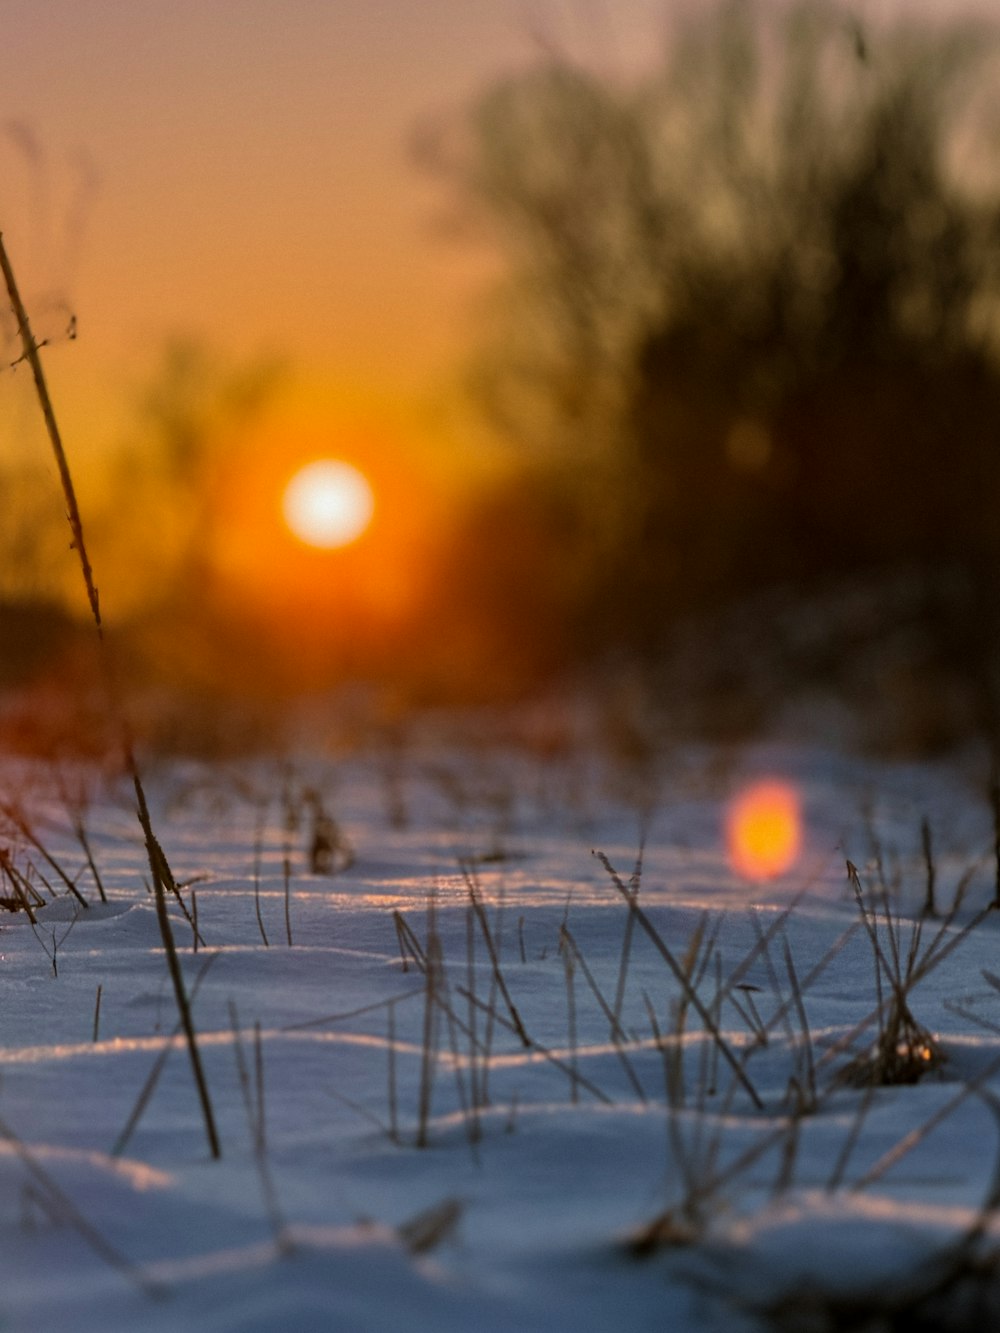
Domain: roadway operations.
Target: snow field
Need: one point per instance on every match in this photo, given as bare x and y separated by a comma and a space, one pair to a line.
541, 1161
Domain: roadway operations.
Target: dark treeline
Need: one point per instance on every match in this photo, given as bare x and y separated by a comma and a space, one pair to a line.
745, 364
750, 333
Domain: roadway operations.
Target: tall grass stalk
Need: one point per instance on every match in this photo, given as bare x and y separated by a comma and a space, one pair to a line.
253, 1102
16, 816
569, 968
492, 951
690, 994
24, 890
617, 1034
290, 825
633, 890
477, 1088
161, 875
258, 843
543, 1051
994, 792
61, 1208
393, 1093
75, 810
428, 1058
409, 944
30, 355
157, 861
149, 1086
927, 846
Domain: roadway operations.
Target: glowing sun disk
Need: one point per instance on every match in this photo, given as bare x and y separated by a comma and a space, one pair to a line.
764, 830
328, 503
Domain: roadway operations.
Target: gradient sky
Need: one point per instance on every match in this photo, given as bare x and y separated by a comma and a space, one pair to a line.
239, 169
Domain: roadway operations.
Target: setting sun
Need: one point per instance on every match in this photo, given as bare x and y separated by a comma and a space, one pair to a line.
764, 830
328, 504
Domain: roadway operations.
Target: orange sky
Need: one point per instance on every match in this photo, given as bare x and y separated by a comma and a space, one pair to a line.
245, 176
239, 170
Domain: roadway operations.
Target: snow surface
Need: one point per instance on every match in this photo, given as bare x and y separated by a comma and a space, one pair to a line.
541, 1161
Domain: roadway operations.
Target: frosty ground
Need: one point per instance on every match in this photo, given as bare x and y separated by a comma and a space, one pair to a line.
485, 1085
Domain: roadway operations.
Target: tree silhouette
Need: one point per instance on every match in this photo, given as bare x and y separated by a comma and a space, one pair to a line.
751, 313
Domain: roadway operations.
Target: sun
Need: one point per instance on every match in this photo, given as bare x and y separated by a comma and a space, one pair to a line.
328, 504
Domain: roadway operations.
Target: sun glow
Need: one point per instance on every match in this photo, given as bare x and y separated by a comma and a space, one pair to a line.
764, 830
328, 503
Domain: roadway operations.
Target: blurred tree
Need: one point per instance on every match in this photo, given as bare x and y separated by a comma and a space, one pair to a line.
752, 302
191, 417
34, 624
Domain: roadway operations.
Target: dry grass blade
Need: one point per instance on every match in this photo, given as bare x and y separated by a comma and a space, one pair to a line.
148, 1088
684, 1223
739, 972
258, 843
750, 1015
429, 1228
539, 1049
478, 1076
22, 887
617, 1035
569, 970
74, 808
162, 877
995, 810
353, 1013
17, 818
633, 890
783, 1007
851, 1141
30, 348
810, 1098
254, 1105
487, 934
950, 1290
935, 954
467, 1103
664, 1231
811, 976
916, 1136
903, 1050
63, 1207
428, 1056
161, 873
363, 1111
692, 996
927, 846
409, 944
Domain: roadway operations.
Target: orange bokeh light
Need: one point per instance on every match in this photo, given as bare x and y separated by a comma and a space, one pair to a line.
764, 830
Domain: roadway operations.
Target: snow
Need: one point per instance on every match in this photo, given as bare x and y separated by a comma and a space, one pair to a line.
542, 1161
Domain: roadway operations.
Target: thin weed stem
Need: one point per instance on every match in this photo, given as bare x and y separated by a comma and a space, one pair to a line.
257, 849
148, 1088
161, 876
690, 993
60, 1205
491, 949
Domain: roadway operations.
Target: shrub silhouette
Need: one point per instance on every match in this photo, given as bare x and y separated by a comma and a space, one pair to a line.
753, 298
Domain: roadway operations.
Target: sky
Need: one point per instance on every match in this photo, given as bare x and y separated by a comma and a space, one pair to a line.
241, 170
